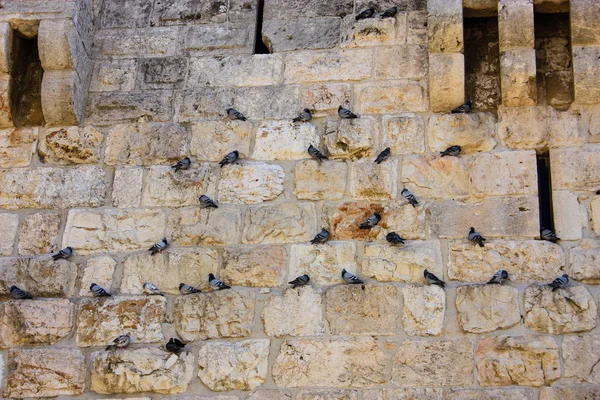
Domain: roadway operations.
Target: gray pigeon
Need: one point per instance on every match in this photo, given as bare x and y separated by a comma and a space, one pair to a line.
120, 342
344, 113
175, 346
547, 234
300, 281
304, 116
371, 221
560, 282
390, 12
188, 289
394, 238
384, 155
159, 247
151, 289
216, 284
499, 278
98, 291
451, 151
350, 278
316, 154
407, 194
368, 13
64, 253
230, 158
19, 294
433, 280
235, 114
475, 237
464, 109
321, 237
182, 164
207, 202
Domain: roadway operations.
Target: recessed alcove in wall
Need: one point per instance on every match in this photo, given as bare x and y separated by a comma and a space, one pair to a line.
545, 191
259, 45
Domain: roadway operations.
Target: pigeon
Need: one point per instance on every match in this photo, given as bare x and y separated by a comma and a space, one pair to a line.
344, 113
350, 278
433, 280
159, 247
230, 158
300, 281
321, 237
499, 278
371, 221
304, 116
216, 284
151, 289
188, 289
207, 202
120, 342
547, 234
389, 13
235, 114
175, 346
598, 191
394, 238
384, 155
453, 151
99, 291
560, 282
182, 164
316, 154
407, 194
475, 237
464, 109
19, 294
64, 253
368, 13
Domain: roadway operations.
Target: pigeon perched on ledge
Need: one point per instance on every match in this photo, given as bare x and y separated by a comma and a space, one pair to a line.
230, 158
188, 289
174, 346
344, 113
235, 114
368, 13
433, 280
98, 291
120, 342
207, 202
159, 247
384, 155
464, 109
407, 194
300, 281
389, 13
350, 279
321, 237
394, 238
547, 234
475, 237
453, 151
316, 154
371, 221
150, 289
499, 278
560, 282
63, 254
19, 294
216, 284
182, 164
304, 116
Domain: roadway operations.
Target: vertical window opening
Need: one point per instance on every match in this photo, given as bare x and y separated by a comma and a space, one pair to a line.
545, 191
259, 45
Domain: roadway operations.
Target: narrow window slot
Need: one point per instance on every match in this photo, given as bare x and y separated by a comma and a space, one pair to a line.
545, 192
259, 46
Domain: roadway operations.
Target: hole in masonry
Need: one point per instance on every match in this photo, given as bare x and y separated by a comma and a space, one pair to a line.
259, 45
545, 191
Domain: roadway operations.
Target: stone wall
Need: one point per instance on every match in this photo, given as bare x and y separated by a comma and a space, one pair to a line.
162, 74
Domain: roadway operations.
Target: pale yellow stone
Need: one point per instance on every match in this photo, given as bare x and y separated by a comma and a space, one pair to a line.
390, 97
262, 394
444, 26
576, 168
403, 394
401, 62
39, 234
98, 270
424, 310
324, 99
486, 308
165, 187
17, 146
323, 262
344, 65
327, 394
515, 24
491, 394
8, 233
350, 138
472, 132
244, 70
211, 140
257, 266
371, 181
435, 177
586, 74
581, 355
324, 181
295, 312
569, 392
71, 145
250, 182
517, 78
404, 134
595, 206
370, 32
584, 261
127, 187
446, 80
192, 226
282, 223
284, 140
570, 216
504, 173
41, 277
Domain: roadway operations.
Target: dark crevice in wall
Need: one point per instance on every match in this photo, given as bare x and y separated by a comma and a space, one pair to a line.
545, 191
259, 45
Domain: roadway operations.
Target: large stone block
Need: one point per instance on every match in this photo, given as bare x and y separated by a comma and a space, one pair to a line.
6, 84
404, 394
323, 262
576, 168
424, 310
504, 173
515, 24
486, 308
277, 9
324, 99
404, 134
264, 394
517, 78
192, 226
584, 31
205, 103
295, 312
373, 31
131, 43
163, 73
325, 181
436, 177
39, 234
115, 14
327, 394
60, 47
63, 98
98, 270
257, 266
254, 70
220, 39
40, 277
165, 187
583, 262
127, 187
372, 181
16, 147
581, 355
569, 215
284, 140
350, 138
175, 12
250, 182
444, 26
109, 108
331, 65
268, 102
491, 394
446, 80
113, 76
569, 392
281, 223
472, 132
211, 140
401, 62
6, 40
352, 362
390, 97
595, 214
301, 34
10, 224
71, 145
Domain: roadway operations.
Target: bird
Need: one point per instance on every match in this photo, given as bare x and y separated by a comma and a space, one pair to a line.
304, 116
560, 282
344, 113
64, 253
598, 191
384, 155
182, 164
433, 280
175, 346
453, 151
547, 234
321, 237
350, 278
464, 109
230, 158
475, 237
389, 13
216, 284
499, 278
207, 202
316, 154
300, 281
371, 221
394, 238
368, 13
407, 194
188, 289
150, 289
98, 291
120, 342
159, 247
235, 114
19, 294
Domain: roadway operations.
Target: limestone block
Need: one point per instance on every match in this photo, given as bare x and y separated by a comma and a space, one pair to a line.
110, 108
504, 173
211, 140
265, 394
256, 266
372, 32
401, 62
325, 181
49, 187
146, 144
327, 394
491, 394
572, 392
486, 308
131, 43
472, 132
404, 134
576, 168
581, 355
295, 312
39, 234
278, 9
583, 262
165, 187
8, 233
330, 65
163, 73
517, 78
16, 147
372, 181
350, 138
435, 177
517, 360
515, 24
281, 223
127, 187
324, 98
525, 260
192, 226
141, 370
269, 102
447, 80
352, 362
390, 97
323, 262
284, 140
46, 372
220, 39
570, 310
6, 40
71, 145
403, 394
584, 30
424, 310
220, 314
301, 34
568, 224
99, 270
233, 365
595, 214
113, 76
40, 277
61, 103
250, 182
445, 28
6, 119
26, 323
253, 70
453, 358
115, 14
176, 12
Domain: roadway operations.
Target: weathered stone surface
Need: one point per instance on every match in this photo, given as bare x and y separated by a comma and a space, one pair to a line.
472, 132
269, 102
284, 140
446, 80
517, 360
40, 277
583, 262
583, 31
250, 182
211, 140
193, 226
372, 181
254, 70
569, 215
71, 145
436, 177
331, 65
445, 28
486, 308
526, 260
38, 234
165, 187
113, 75
595, 211
45, 372
281, 223
141, 370
295, 312
8, 233
52, 187
325, 181
373, 32
16, 147
586, 74
163, 73
130, 15
233, 365
266, 394
109, 108
324, 99
175, 12
127, 187
581, 355
327, 394
220, 314
576, 168
26, 323
350, 138
95, 231
100, 321
356, 362
517, 78
454, 366
307, 9
301, 34
491, 394
256, 266
404, 394
401, 62
6, 119
97, 270
129, 43
515, 24
424, 310
323, 262
220, 39
204, 103
513, 172
404, 134
573, 392
390, 97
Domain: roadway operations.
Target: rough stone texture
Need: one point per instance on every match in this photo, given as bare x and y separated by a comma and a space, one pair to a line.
491, 394
282, 223
109, 108
233, 365
435, 177
220, 314
404, 394
128, 43
404, 134
445, 31
424, 310
256, 266
473, 132
301, 34
265, 394
99, 270
350, 138
16, 147
581, 355
283, 140
295, 312
356, 362
113, 75
390, 97
486, 308
127, 187
583, 262
255, 70
220, 39
372, 32
39, 234
71, 145
327, 394
583, 32
211, 140
308, 9
9, 223
165, 187
250, 182
446, 80
193, 226
573, 392
40, 277
323, 262
513, 172
401, 62
325, 181
595, 212
324, 99
585, 74
517, 360
515, 24
517, 78
344, 65
372, 181
576, 168
569, 215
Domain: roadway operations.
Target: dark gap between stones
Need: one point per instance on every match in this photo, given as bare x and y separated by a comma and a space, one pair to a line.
545, 191
259, 46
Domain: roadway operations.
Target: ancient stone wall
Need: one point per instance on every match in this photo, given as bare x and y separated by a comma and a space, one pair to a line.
130, 87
